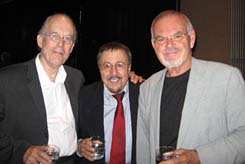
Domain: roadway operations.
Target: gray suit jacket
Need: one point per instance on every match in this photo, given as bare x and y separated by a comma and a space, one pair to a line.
22, 108
213, 116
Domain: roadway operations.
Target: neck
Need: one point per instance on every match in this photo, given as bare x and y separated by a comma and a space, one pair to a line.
176, 71
51, 71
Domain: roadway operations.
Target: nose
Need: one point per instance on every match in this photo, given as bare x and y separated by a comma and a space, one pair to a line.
61, 41
113, 70
169, 42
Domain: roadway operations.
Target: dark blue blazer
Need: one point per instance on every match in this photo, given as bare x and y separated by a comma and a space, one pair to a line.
91, 114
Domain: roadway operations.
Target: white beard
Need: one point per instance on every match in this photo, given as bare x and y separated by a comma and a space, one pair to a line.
173, 64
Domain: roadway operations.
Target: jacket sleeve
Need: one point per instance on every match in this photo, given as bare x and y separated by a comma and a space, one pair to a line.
230, 148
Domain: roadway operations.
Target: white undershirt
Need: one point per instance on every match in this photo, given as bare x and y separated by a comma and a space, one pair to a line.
60, 119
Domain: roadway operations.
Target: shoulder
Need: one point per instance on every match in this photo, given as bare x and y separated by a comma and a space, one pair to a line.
154, 79
134, 87
215, 68
73, 71
212, 64
74, 74
15, 71
93, 87
91, 91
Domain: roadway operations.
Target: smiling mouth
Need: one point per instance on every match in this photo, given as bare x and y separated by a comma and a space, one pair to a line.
58, 52
114, 79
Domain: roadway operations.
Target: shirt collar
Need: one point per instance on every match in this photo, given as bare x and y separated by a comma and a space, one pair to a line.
108, 94
43, 77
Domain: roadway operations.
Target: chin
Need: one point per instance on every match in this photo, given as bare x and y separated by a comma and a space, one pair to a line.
115, 90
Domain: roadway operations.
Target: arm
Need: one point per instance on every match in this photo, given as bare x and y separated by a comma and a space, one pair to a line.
229, 148
135, 78
19, 151
220, 121
6, 148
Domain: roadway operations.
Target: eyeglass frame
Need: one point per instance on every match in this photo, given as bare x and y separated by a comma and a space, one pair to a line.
106, 66
55, 37
176, 37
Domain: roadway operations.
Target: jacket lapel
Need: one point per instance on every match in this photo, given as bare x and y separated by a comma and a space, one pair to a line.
133, 99
99, 109
195, 88
73, 100
35, 90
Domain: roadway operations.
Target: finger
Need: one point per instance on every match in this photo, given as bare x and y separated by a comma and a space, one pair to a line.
88, 151
30, 160
44, 158
89, 157
43, 147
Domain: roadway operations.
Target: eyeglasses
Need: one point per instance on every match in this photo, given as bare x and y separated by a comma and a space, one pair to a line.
67, 39
176, 37
108, 66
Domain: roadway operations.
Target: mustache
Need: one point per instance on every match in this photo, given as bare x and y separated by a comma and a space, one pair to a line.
115, 77
170, 49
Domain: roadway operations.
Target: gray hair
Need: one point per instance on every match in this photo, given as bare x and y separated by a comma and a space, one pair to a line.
166, 13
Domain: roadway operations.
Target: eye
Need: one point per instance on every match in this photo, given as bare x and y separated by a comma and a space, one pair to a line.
160, 39
178, 36
106, 66
119, 65
54, 36
68, 39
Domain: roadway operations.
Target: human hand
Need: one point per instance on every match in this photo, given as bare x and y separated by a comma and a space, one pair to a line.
37, 155
86, 149
135, 78
184, 156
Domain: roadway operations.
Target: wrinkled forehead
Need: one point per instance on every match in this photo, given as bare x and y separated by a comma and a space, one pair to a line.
170, 24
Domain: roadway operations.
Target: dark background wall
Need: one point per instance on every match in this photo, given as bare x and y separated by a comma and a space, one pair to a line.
97, 22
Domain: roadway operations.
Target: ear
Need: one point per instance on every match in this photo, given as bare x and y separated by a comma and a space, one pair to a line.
40, 41
71, 49
129, 68
153, 43
192, 38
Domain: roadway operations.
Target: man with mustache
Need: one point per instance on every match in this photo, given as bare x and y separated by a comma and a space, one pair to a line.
193, 105
98, 106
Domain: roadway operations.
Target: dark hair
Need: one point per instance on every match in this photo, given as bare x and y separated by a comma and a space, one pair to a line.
114, 46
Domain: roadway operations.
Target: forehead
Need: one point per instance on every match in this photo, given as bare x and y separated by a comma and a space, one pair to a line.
114, 55
60, 24
170, 24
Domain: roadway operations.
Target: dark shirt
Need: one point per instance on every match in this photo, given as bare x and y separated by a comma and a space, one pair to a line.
172, 101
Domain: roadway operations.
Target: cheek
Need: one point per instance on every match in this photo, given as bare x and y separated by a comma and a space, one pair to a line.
103, 76
160, 55
69, 49
125, 75
158, 47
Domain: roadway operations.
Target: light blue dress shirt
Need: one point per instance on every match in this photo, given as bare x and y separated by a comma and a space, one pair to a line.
110, 104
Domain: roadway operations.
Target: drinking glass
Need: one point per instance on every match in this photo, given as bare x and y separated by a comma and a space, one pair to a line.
164, 153
54, 152
99, 147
